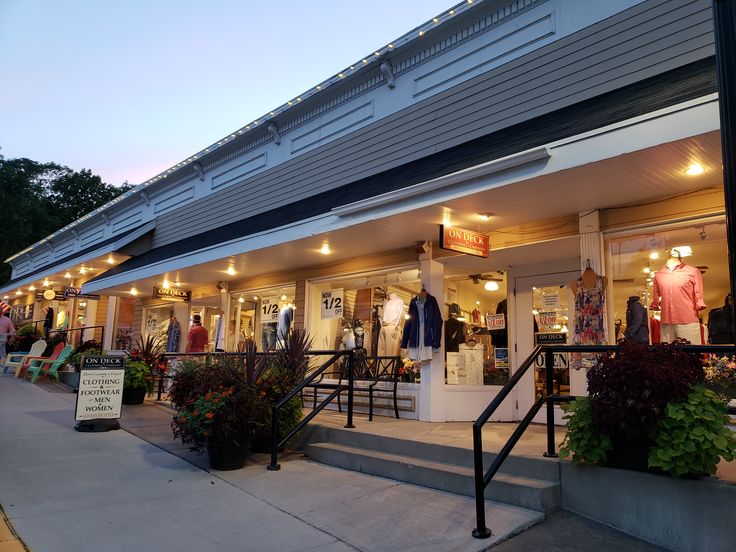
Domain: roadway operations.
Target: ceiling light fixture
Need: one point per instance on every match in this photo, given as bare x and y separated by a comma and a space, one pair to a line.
67, 275
325, 249
231, 271
694, 169
654, 255
241, 300
165, 284
646, 270
32, 288
133, 291
110, 260
45, 283
19, 292
485, 216
284, 297
491, 285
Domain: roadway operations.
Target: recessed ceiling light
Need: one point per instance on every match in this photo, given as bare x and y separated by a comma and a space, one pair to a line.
325, 249
654, 255
133, 291
485, 216
646, 270
695, 169
491, 285
231, 271
32, 288
284, 297
67, 275
241, 300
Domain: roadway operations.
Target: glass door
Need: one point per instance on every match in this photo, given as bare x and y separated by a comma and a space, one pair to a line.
543, 317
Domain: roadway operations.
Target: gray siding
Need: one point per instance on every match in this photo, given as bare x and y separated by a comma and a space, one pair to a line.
648, 39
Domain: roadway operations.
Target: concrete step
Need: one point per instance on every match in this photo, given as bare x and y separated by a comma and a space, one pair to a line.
539, 467
530, 493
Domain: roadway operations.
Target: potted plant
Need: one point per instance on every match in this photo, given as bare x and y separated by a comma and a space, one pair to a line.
219, 405
137, 381
24, 337
647, 409
70, 376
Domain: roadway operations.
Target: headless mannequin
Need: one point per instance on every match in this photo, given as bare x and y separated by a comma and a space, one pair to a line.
589, 278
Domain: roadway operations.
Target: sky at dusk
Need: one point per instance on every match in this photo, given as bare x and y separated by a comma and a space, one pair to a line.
128, 89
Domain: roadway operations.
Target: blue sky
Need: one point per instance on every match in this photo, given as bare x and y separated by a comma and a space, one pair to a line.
128, 89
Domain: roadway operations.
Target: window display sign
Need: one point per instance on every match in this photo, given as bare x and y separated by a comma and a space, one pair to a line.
547, 318
172, 294
551, 301
464, 241
559, 338
496, 321
332, 304
501, 357
100, 392
270, 310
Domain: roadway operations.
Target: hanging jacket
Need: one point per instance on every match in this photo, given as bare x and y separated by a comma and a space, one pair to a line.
719, 325
637, 328
432, 324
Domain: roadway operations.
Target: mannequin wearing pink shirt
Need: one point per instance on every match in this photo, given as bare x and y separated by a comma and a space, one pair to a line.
678, 294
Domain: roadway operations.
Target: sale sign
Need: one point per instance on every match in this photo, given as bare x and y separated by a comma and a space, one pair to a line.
332, 304
547, 318
270, 310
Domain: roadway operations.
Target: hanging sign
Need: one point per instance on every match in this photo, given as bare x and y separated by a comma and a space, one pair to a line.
332, 304
559, 338
70, 292
551, 301
49, 295
270, 309
173, 294
464, 241
496, 321
100, 392
547, 318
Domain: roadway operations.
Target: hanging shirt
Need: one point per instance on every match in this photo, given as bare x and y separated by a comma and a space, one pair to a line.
678, 294
393, 310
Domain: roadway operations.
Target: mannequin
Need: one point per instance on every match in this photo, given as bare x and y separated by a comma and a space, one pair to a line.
389, 338
454, 330
423, 329
286, 315
678, 294
589, 315
637, 328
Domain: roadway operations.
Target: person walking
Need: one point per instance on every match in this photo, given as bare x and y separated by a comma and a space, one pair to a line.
198, 336
6, 330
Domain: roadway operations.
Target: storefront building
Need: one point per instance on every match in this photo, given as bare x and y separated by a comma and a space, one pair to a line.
561, 135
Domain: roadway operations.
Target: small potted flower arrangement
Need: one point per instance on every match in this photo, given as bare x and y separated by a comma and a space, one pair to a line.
410, 371
720, 375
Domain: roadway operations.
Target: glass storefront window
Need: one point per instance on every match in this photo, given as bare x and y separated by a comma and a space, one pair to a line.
476, 329
124, 323
262, 316
550, 308
646, 266
378, 303
156, 321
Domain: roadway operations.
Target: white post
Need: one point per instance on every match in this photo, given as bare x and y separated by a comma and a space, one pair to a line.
181, 312
112, 307
431, 407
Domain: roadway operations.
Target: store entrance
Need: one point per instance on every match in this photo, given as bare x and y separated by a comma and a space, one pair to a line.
544, 310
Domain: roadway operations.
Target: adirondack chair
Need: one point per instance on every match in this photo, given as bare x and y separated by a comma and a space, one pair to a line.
16, 360
49, 367
29, 359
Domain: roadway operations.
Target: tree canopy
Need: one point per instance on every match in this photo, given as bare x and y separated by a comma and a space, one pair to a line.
39, 198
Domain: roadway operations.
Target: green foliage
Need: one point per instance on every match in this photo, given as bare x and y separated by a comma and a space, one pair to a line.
148, 350
76, 358
44, 197
137, 376
583, 439
693, 436
289, 416
24, 338
29, 330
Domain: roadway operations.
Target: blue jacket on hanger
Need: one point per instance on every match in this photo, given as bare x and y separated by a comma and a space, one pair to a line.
432, 324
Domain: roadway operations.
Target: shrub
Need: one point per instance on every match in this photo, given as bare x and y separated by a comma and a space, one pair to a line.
88, 348
630, 388
137, 376
693, 436
24, 337
583, 439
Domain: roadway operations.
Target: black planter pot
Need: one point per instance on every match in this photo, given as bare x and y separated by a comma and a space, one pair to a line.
226, 456
134, 395
629, 454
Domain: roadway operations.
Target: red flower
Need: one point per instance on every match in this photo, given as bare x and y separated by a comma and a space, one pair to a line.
209, 415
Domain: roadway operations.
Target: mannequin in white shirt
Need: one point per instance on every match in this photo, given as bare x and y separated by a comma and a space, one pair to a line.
389, 340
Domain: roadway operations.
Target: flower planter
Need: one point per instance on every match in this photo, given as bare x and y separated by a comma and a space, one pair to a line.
226, 456
134, 395
629, 454
70, 378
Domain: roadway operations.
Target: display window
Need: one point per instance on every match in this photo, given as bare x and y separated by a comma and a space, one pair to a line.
263, 316
671, 283
552, 323
156, 321
476, 329
372, 308
124, 324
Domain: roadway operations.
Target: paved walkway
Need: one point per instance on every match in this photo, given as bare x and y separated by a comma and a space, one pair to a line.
69, 491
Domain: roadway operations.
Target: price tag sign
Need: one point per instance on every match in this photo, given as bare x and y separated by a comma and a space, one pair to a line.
496, 321
332, 304
269, 309
551, 301
547, 318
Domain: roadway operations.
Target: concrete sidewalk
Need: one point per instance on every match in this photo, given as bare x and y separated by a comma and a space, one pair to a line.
138, 489
69, 491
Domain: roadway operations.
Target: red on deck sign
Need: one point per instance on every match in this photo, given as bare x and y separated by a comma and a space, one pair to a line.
464, 241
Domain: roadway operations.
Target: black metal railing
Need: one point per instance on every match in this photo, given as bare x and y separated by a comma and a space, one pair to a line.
69, 336
484, 477
309, 381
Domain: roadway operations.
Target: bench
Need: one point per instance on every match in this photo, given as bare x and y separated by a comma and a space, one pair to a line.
367, 374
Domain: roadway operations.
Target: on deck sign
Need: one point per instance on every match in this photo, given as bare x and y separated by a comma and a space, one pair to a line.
464, 241
100, 392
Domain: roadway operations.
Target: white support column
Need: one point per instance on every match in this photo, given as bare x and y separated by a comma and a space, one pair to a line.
181, 312
431, 407
225, 306
112, 308
591, 251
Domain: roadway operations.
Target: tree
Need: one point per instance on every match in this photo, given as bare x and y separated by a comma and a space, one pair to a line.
39, 198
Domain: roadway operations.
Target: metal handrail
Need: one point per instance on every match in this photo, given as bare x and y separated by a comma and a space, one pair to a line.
81, 329
337, 389
484, 478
